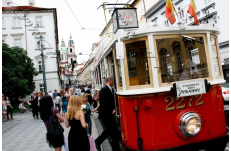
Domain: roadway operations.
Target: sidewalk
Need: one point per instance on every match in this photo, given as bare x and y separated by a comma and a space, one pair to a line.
24, 133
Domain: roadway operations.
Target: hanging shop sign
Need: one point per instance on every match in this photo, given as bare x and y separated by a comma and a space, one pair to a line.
123, 18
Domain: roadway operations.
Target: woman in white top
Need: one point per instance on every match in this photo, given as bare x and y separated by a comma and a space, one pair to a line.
57, 101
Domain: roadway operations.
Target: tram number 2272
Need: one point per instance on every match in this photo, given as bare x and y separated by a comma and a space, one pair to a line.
182, 102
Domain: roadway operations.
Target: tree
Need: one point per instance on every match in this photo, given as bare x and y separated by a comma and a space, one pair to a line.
17, 72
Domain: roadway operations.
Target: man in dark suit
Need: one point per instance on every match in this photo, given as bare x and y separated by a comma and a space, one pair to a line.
107, 115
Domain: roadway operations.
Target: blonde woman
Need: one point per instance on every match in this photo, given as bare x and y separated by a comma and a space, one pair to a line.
77, 138
87, 111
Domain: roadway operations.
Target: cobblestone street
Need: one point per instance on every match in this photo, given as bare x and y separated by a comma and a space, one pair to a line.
24, 133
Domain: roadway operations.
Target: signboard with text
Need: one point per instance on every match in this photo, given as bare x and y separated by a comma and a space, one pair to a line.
190, 88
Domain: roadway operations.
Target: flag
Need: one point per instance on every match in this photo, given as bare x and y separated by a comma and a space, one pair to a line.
192, 10
169, 12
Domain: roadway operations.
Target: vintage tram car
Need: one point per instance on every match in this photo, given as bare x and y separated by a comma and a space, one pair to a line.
149, 67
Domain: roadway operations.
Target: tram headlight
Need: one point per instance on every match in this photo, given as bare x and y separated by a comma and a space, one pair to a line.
190, 124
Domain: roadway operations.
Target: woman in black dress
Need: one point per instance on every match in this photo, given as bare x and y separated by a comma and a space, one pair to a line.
77, 138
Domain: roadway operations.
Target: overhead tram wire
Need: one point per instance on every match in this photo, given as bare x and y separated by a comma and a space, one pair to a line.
74, 14
79, 22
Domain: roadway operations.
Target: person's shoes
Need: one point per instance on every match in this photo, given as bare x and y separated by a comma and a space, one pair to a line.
97, 145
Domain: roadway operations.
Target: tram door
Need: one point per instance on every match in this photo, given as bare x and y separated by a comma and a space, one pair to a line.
111, 69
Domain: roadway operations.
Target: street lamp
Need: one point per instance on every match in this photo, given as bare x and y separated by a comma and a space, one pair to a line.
42, 56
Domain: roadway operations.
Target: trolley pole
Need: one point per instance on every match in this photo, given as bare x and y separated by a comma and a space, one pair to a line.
44, 75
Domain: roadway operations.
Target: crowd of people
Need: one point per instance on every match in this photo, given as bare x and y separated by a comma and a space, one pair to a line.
75, 108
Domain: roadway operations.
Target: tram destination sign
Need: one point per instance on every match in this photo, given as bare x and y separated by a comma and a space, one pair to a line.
195, 87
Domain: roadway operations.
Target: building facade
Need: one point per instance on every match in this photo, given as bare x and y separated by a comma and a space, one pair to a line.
67, 54
209, 13
16, 21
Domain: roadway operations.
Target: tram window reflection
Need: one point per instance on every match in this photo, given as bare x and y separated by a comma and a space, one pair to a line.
137, 62
182, 59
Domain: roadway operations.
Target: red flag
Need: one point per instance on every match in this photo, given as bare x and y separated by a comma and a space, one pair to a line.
169, 12
192, 10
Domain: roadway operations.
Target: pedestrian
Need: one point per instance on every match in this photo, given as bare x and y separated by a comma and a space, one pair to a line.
77, 137
35, 105
46, 111
61, 96
4, 108
88, 93
50, 93
9, 108
57, 101
21, 107
79, 92
87, 111
107, 115
74, 92
65, 99
71, 91
54, 95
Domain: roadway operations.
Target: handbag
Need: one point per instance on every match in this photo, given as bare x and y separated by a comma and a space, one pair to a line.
55, 131
91, 141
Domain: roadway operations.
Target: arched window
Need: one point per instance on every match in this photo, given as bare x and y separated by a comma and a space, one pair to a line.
70, 49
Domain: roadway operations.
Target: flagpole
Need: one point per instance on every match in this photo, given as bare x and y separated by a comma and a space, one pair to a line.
176, 14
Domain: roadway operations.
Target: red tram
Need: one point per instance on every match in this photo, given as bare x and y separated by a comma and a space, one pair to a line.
168, 87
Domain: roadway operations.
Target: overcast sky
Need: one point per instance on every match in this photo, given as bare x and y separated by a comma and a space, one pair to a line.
87, 14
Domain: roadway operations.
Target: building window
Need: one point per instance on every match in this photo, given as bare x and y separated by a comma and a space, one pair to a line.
40, 66
61, 57
38, 21
71, 50
38, 44
181, 12
71, 60
17, 42
206, 2
3, 41
17, 22
41, 87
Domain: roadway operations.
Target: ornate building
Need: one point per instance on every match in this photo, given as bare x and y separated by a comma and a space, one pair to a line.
67, 54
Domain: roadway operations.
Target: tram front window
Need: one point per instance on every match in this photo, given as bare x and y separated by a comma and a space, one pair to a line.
182, 59
137, 62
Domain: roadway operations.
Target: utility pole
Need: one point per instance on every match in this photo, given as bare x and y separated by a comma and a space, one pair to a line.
44, 75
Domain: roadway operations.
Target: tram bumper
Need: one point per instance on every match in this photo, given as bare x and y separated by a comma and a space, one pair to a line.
215, 144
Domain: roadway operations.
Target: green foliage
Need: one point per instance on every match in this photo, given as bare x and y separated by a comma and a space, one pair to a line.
17, 72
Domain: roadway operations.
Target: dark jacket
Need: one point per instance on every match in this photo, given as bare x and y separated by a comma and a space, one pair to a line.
107, 104
34, 103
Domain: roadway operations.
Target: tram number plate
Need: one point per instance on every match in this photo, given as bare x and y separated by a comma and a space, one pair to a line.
182, 102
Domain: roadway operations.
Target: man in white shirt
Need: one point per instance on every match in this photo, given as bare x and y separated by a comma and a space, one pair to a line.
22, 108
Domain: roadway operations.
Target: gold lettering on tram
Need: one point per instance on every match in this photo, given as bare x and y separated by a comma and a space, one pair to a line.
199, 103
180, 105
172, 101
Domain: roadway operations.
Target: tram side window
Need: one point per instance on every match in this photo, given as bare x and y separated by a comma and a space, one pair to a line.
118, 70
215, 55
138, 69
181, 59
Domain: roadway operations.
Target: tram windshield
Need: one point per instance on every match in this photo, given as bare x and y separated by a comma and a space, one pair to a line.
182, 58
